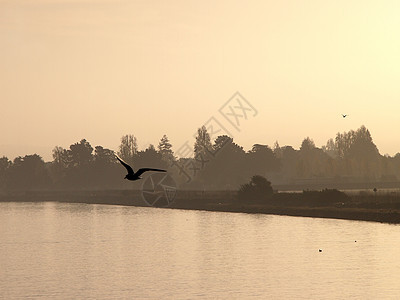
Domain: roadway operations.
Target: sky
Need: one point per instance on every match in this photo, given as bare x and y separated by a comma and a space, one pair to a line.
74, 69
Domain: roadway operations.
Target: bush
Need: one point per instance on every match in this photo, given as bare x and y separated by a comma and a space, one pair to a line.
326, 196
258, 189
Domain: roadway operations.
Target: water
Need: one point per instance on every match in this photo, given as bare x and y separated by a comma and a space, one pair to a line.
57, 251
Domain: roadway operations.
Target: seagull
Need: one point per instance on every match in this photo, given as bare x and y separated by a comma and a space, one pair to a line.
344, 116
135, 176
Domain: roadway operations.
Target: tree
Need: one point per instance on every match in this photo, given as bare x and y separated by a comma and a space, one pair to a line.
103, 156
5, 164
277, 150
61, 157
343, 143
289, 161
149, 158
330, 148
357, 154
258, 189
128, 148
81, 153
74, 167
202, 145
78, 167
364, 154
221, 141
27, 173
261, 159
307, 144
226, 169
62, 160
164, 148
106, 168
307, 160
203, 155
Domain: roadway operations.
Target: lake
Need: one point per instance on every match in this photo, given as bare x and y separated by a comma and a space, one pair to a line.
60, 250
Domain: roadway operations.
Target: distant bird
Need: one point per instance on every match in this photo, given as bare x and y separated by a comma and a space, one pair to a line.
135, 176
320, 250
344, 116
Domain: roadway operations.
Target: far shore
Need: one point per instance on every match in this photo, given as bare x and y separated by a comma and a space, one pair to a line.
363, 206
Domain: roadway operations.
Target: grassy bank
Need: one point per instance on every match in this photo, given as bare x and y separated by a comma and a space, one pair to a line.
378, 207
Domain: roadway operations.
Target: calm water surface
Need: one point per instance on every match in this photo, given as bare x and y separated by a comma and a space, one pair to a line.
56, 250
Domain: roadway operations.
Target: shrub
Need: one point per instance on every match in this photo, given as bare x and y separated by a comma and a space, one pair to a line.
326, 196
258, 189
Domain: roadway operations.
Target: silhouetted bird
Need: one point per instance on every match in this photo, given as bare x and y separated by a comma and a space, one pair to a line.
135, 176
344, 116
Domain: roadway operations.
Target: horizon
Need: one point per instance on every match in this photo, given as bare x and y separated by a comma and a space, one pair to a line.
142, 147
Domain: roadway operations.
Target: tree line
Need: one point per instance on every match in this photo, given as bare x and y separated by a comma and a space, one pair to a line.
218, 164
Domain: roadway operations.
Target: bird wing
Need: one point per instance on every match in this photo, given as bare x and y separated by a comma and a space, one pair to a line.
128, 167
141, 171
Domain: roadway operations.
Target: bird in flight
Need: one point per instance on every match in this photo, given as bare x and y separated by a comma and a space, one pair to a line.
135, 176
344, 116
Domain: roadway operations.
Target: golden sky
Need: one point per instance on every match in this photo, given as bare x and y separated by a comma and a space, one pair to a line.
73, 69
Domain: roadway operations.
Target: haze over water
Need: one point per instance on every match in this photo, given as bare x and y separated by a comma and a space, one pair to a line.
53, 250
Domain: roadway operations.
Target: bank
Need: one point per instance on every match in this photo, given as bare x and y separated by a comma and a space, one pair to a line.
363, 207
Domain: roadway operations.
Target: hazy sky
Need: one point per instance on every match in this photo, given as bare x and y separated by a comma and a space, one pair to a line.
73, 69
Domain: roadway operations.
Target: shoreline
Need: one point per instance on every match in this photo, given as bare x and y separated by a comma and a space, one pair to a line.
384, 209
370, 215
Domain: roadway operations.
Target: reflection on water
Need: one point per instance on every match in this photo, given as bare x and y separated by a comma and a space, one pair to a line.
58, 250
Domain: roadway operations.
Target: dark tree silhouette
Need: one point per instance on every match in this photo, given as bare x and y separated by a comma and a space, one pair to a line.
364, 154
104, 156
350, 157
5, 164
356, 154
277, 150
203, 155
289, 160
81, 153
106, 169
149, 158
165, 149
128, 148
202, 145
61, 157
261, 160
28, 173
258, 189
330, 148
307, 160
227, 169
62, 160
